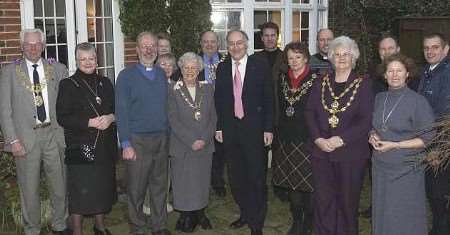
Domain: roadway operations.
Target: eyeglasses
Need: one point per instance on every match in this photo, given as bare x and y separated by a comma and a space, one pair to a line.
239, 43
342, 55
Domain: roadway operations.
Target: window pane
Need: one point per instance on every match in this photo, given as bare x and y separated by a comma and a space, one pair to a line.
60, 8
61, 29
90, 8
218, 20
274, 0
218, 1
109, 54
50, 31
111, 75
305, 20
107, 4
48, 8
39, 24
222, 40
100, 55
305, 36
99, 30
296, 19
234, 0
62, 54
51, 52
260, 17
234, 20
275, 16
91, 30
37, 8
98, 8
300, 1
109, 30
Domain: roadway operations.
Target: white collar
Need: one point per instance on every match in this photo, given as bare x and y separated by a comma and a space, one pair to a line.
30, 64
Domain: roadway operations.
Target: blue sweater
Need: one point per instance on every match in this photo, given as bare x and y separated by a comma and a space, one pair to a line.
141, 103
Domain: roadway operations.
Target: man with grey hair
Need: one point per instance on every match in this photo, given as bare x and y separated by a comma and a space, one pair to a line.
28, 91
244, 106
319, 62
141, 113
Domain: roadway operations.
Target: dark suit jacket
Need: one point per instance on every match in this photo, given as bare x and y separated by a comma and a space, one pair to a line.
354, 124
257, 99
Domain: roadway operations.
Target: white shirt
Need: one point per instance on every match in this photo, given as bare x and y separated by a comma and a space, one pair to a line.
242, 66
40, 70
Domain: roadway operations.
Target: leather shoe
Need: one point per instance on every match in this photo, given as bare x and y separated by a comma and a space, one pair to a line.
189, 224
161, 232
256, 232
203, 221
180, 222
220, 192
101, 232
239, 223
66, 231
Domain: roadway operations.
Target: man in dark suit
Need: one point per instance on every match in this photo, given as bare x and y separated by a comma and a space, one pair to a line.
244, 104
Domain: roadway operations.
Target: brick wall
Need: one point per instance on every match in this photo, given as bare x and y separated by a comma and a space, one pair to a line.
130, 52
9, 30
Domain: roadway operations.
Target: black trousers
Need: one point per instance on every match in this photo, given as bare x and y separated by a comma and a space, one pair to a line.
246, 166
218, 167
438, 187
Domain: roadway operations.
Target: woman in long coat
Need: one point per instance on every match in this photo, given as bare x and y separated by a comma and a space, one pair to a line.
85, 109
292, 157
192, 119
402, 122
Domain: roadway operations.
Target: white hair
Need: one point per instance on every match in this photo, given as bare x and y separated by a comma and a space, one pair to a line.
25, 31
345, 42
191, 56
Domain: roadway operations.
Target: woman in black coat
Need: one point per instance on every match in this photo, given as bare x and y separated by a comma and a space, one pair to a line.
85, 109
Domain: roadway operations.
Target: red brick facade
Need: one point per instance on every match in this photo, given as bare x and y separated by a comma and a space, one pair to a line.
9, 30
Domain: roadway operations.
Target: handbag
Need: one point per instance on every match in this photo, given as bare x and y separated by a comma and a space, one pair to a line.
83, 153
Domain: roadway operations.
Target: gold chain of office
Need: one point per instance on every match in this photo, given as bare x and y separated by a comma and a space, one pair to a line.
293, 95
334, 109
36, 89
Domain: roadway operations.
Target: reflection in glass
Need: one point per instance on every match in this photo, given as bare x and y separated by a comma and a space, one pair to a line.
218, 19
50, 31
62, 54
305, 20
37, 5
98, 8
60, 8
91, 29
108, 30
90, 8
109, 54
51, 52
100, 55
107, 4
48, 8
234, 20
99, 30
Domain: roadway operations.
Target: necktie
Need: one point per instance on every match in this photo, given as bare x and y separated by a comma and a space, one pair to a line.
237, 92
39, 100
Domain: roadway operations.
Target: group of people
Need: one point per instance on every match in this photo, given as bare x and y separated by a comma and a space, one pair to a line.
323, 121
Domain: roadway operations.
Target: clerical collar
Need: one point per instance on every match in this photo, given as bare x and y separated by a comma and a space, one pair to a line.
146, 68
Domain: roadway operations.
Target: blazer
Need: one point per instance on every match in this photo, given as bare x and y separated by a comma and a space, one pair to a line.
354, 123
184, 129
257, 99
17, 108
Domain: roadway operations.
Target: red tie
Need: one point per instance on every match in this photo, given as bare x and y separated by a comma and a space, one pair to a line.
237, 91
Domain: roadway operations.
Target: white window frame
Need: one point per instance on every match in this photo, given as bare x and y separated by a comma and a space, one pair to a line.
316, 20
80, 34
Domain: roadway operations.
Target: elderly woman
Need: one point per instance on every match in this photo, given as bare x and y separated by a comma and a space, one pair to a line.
168, 63
292, 158
402, 120
338, 116
85, 109
192, 118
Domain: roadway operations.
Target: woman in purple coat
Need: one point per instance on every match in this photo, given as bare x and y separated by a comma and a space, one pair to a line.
338, 115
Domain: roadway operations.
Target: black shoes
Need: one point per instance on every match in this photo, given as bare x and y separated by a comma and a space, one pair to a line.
187, 222
203, 221
101, 232
239, 223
